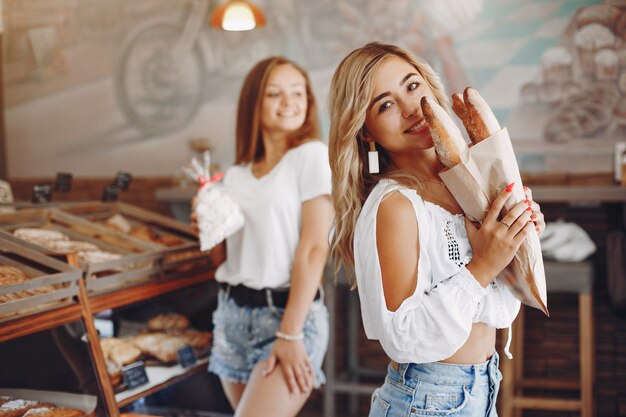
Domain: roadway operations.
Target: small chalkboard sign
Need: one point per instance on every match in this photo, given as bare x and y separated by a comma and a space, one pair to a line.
42, 193
63, 182
135, 374
122, 180
186, 356
110, 193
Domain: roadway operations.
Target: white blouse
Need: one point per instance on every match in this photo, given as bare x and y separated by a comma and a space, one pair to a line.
261, 254
434, 322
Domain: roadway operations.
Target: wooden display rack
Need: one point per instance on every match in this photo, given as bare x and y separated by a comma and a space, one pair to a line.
139, 262
177, 256
79, 303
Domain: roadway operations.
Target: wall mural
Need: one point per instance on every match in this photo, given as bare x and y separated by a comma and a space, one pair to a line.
96, 86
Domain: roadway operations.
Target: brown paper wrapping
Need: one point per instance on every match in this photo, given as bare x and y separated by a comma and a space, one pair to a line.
486, 168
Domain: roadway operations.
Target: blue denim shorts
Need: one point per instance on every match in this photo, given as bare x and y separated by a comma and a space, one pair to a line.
438, 389
244, 336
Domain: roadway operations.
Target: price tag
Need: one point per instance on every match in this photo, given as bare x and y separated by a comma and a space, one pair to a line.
186, 356
122, 180
63, 182
135, 374
42, 193
110, 193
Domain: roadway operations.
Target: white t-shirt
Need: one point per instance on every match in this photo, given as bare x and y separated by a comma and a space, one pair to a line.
434, 322
261, 254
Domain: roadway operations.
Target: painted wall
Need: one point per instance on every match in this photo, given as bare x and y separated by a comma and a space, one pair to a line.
91, 86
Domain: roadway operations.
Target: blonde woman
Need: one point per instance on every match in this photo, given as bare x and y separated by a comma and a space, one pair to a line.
426, 276
271, 325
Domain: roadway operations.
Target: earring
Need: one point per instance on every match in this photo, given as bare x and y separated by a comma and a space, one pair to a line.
372, 157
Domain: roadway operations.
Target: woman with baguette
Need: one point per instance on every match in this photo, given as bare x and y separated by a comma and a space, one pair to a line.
426, 276
271, 324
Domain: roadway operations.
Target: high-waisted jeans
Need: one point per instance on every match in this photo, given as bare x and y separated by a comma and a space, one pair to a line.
438, 389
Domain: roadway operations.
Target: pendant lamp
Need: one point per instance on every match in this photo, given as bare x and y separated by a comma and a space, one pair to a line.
237, 15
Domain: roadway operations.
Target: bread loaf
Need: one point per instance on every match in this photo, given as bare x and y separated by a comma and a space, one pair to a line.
448, 140
479, 120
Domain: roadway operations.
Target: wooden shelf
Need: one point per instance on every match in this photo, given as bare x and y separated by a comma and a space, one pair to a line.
23, 326
145, 291
160, 377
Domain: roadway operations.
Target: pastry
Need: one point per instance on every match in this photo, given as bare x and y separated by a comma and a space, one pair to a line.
97, 256
118, 223
168, 321
160, 345
449, 142
606, 62
556, 64
19, 407
40, 237
195, 338
119, 351
115, 373
54, 412
70, 246
589, 40
582, 115
4, 399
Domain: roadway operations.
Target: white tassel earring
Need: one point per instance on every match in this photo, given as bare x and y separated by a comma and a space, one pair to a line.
372, 157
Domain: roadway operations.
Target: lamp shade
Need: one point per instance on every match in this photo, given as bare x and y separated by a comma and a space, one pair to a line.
237, 15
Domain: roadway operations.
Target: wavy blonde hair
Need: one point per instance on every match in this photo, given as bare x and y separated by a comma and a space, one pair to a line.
351, 92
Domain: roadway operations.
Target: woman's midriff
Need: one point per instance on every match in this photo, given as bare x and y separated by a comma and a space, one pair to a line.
478, 347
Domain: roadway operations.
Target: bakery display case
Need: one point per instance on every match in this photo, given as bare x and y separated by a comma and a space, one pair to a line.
31, 282
175, 240
109, 261
61, 266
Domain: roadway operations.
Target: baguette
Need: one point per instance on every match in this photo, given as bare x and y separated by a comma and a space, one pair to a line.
449, 142
476, 115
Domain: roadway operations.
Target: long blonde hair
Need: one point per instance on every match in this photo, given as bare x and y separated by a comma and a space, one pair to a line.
351, 91
249, 137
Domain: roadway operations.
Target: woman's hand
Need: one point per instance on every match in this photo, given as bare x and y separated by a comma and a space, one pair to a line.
291, 357
537, 215
496, 242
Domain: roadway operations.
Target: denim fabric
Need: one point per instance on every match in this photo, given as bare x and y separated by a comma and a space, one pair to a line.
244, 336
438, 389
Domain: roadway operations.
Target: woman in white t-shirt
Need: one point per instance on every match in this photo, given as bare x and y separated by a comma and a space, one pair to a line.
427, 278
271, 326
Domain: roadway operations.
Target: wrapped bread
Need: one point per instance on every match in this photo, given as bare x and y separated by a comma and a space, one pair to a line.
483, 171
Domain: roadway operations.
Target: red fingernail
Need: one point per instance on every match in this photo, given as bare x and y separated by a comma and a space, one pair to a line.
528, 202
525, 188
509, 187
529, 209
533, 216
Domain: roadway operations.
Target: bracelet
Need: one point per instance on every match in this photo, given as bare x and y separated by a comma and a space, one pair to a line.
289, 337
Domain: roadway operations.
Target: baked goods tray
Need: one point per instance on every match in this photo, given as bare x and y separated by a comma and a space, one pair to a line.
108, 260
176, 240
33, 282
83, 402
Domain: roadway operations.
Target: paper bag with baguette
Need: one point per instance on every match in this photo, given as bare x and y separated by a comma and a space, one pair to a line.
475, 175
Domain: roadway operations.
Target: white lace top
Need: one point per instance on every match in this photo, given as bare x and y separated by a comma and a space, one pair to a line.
434, 322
